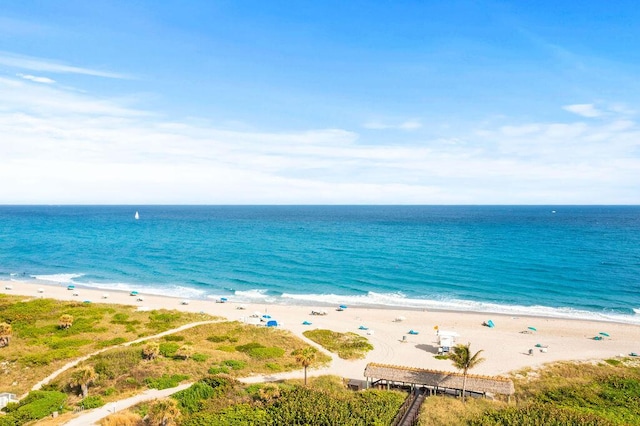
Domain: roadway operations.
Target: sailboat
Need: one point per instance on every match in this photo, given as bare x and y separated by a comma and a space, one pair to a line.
137, 216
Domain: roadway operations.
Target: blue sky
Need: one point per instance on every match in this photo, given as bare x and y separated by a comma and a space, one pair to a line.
333, 102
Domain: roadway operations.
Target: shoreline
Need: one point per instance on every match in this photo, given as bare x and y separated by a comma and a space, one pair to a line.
505, 347
539, 311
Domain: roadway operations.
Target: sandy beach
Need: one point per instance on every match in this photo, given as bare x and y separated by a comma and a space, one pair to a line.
510, 345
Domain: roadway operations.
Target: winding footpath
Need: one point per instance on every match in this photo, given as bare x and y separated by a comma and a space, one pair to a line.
94, 416
77, 361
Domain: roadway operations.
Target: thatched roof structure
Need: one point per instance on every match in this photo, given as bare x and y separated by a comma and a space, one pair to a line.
439, 379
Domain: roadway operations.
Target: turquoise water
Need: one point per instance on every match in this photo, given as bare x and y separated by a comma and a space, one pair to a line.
566, 261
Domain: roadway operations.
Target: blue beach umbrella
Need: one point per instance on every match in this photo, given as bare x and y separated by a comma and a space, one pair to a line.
602, 333
532, 328
266, 316
306, 323
343, 306
133, 293
71, 287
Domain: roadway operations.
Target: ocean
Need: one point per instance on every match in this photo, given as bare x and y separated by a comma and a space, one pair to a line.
562, 261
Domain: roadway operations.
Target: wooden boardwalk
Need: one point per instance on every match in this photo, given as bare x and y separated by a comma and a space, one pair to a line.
436, 381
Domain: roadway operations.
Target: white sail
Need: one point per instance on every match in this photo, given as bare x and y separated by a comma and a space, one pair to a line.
137, 216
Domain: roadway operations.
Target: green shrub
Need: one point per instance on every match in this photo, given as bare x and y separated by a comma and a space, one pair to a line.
169, 350
249, 347
190, 400
235, 364
273, 366
538, 415
120, 318
216, 369
259, 351
35, 406
46, 358
92, 401
266, 353
200, 357
225, 348
173, 338
112, 342
109, 391
59, 343
224, 338
165, 381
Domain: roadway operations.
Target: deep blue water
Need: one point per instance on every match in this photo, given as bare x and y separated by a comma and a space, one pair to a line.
577, 261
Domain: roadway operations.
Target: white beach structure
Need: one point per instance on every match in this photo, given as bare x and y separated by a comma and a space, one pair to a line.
446, 340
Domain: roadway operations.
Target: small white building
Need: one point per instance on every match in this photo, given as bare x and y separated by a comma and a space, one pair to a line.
446, 340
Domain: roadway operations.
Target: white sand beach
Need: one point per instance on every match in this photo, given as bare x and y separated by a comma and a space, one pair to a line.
506, 348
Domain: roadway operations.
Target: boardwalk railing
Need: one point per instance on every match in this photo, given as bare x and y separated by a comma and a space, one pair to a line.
410, 409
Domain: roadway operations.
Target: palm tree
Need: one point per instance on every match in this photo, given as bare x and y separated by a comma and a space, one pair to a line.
65, 321
305, 357
150, 351
5, 334
463, 360
164, 412
83, 378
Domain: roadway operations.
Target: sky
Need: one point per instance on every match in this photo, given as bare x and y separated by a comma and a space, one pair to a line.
330, 102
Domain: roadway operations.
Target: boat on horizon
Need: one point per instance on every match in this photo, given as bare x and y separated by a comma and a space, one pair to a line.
136, 216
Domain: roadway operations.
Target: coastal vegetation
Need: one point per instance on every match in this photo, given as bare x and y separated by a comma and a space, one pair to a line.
231, 348
325, 401
345, 345
567, 393
45, 334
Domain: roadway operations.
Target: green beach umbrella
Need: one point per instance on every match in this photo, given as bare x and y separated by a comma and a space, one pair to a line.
532, 328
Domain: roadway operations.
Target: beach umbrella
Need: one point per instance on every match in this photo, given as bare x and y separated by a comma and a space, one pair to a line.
266, 316
343, 306
133, 293
306, 323
532, 328
223, 299
602, 333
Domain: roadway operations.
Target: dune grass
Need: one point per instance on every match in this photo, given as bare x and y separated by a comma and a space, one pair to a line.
604, 393
345, 345
245, 349
39, 345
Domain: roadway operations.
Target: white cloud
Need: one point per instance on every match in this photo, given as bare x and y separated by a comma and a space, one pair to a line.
68, 147
584, 110
36, 79
405, 125
47, 65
